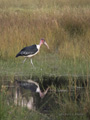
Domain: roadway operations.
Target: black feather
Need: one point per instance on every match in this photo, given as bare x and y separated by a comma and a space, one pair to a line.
27, 85
30, 50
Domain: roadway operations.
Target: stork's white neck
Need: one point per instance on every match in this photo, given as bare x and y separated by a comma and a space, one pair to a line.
38, 90
38, 47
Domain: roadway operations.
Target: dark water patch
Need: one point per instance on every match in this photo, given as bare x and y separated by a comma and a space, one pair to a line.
57, 80
62, 89
45, 81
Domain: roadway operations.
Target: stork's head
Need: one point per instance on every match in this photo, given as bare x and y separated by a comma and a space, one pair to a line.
42, 41
42, 94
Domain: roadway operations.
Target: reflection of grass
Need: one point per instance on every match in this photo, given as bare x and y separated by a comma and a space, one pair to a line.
61, 105
69, 105
9, 112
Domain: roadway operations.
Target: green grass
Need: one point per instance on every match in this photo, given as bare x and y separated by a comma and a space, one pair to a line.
49, 65
40, 4
18, 113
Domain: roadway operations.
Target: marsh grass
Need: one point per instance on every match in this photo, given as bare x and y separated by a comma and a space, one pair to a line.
65, 105
9, 112
56, 105
47, 65
66, 29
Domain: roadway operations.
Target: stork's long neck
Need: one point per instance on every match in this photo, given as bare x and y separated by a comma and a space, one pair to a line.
38, 46
40, 43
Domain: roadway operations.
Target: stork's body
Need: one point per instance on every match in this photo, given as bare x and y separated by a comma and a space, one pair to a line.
33, 86
30, 51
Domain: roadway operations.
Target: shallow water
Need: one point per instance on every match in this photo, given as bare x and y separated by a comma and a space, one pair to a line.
62, 85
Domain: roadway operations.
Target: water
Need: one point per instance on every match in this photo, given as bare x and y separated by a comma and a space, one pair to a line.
62, 86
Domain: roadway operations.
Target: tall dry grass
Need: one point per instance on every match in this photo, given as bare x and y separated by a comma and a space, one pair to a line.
64, 25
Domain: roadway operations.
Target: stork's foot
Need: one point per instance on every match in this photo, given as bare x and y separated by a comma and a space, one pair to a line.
24, 60
33, 64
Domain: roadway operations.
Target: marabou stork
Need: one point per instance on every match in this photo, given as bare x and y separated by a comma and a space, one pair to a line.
33, 86
30, 51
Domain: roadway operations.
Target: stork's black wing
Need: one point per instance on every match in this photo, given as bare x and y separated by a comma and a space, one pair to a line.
30, 50
27, 85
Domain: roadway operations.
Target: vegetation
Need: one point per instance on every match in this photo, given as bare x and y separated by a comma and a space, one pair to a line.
69, 105
9, 112
65, 25
46, 65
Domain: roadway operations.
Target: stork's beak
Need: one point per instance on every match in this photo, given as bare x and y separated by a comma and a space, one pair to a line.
42, 94
46, 45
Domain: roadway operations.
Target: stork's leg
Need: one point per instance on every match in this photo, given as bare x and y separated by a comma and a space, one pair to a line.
32, 63
24, 60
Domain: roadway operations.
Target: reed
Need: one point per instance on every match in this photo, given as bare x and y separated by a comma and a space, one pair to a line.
64, 26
